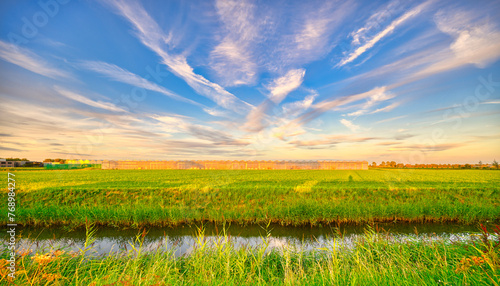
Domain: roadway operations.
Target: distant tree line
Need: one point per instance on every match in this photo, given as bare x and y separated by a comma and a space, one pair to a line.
394, 164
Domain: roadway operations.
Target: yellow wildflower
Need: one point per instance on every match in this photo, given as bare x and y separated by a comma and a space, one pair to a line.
43, 258
51, 277
58, 253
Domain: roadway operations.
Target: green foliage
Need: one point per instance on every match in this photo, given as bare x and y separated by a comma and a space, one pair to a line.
71, 166
16, 159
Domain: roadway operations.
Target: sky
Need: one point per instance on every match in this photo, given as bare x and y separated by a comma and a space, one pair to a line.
413, 82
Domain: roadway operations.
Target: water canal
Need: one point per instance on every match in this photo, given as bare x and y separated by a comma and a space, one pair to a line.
182, 240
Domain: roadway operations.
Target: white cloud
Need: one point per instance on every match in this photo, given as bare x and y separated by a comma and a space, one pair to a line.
215, 112
375, 94
28, 60
181, 124
391, 119
264, 37
87, 101
312, 34
491, 102
379, 94
297, 107
285, 130
353, 127
282, 86
116, 73
232, 59
152, 36
476, 41
279, 88
313, 31
233, 64
386, 108
377, 19
327, 105
172, 123
387, 31
256, 117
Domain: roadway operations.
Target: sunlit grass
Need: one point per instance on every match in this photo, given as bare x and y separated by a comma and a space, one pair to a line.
290, 197
374, 260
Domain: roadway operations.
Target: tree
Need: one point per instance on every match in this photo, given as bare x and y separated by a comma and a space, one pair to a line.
374, 164
495, 164
16, 159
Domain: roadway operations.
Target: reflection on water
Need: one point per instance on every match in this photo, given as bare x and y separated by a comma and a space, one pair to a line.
182, 240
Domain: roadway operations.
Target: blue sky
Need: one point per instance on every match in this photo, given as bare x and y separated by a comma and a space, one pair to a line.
414, 82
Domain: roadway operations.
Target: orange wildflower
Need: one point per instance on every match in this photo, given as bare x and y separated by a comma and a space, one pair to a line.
43, 258
51, 277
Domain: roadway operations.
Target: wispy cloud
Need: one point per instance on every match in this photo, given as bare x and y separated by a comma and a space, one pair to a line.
215, 112
331, 104
382, 34
387, 143
152, 36
491, 102
313, 143
295, 108
232, 59
282, 86
387, 108
278, 91
119, 74
261, 38
256, 118
362, 35
28, 60
313, 36
283, 121
182, 124
475, 42
328, 141
379, 94
403, 136
87, 101
217, 137
353, 127
390, 119
427, 148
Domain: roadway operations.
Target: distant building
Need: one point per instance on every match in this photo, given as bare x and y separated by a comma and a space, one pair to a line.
80, 161
10, 164
6, 164
237, 165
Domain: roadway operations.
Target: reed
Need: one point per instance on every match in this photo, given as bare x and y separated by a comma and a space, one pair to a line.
374, 260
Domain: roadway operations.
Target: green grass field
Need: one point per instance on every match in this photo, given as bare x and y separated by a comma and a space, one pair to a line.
291, 197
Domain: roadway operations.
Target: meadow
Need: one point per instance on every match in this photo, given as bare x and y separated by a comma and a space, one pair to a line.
290, 197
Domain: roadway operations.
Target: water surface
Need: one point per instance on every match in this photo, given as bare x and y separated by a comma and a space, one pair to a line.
181, 240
